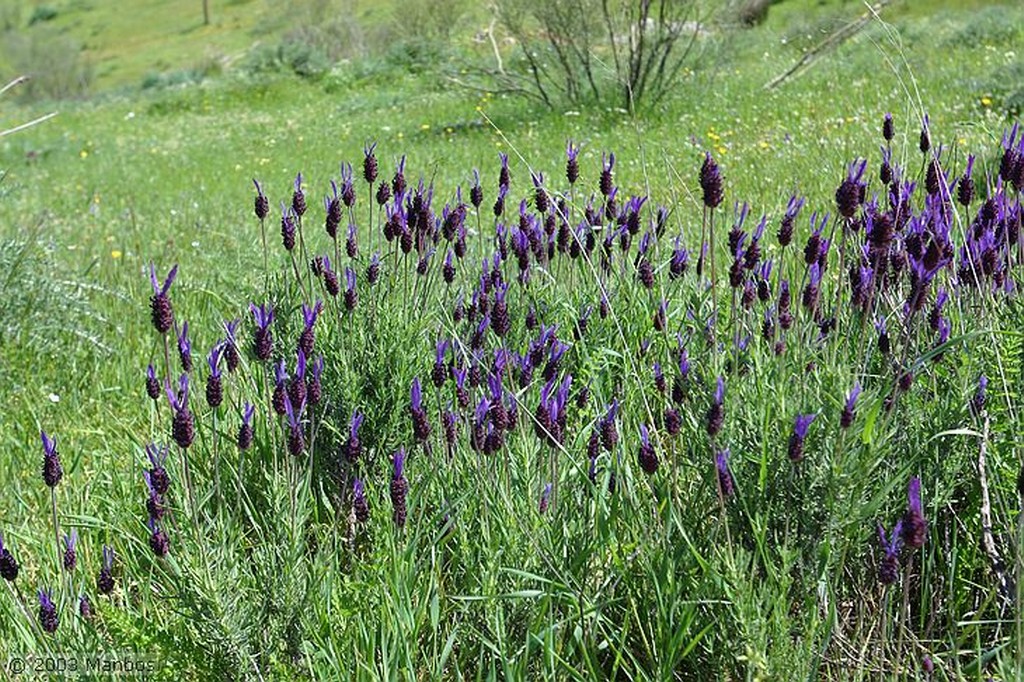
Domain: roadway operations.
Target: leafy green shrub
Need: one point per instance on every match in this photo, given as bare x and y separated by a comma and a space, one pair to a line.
987, 26
42, 14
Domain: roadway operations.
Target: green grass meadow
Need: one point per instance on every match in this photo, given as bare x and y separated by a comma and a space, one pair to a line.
269, 574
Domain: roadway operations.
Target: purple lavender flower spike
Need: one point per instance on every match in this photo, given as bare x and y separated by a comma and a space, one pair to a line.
214, 388
796, 439
52, 469
399, 488
182, 425
725, 480
373, 269
353, 447
185, 348
152, 383
572, 165
158, 540
850, 193
889, 570
420, 425
887, 128
298, 197
245, 431
8, 564
231, 357
716, 412
545, 499
711, 182
965, 188
314, 385
48, 618
263, 340
351, 297
360, 504
849, 409
261, 205
369, 163
646, 455
307, 336
287, 227
980, 394
70, 554
296, 437
915, 527
607, 177
161, 312
105, 579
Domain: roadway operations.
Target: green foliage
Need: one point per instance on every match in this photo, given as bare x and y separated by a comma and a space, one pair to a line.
42, 14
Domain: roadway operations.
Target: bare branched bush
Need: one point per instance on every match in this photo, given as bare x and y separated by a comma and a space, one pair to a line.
579, 51
55, 63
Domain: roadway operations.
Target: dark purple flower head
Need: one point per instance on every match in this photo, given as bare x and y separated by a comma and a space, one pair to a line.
182, 425
647, 456
245, 431
850, 193
360, 504
161, 312
725, 482
353, 447
607, 171
48, 618
184, 348
711, 182
230, 344
298, 197
369, 163
846, 419
889, 570
965, 188
980, 395
801, 424
373, 269
152, 383
399, 488
52, 469
925, 142
261, 206
887, 128
263, 341
213, 359
70, 555
158, 478
915, 527
158, 540
8, 565
572, 165
105, 579
420, 425
287, 227
310, 314
545, 499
